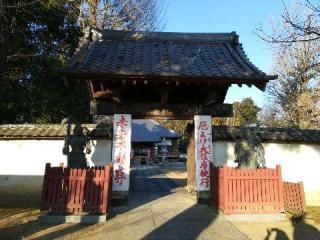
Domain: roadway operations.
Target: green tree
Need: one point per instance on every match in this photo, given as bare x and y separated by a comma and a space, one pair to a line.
244, 113
39, 37
179, 126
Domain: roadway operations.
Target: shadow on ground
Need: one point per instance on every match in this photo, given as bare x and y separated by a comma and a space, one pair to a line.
303, 230
293, 229
157, 208
33, 230
146, 185
160, 208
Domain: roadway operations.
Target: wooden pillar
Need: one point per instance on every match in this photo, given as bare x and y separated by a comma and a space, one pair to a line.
191, 165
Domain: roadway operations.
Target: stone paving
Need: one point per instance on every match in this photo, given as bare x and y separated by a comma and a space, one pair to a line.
158, 208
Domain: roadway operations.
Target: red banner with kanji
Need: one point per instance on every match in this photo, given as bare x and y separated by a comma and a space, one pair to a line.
121, 151
203, 151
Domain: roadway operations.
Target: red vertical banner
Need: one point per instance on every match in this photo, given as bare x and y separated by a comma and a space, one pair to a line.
203, 151
121, 150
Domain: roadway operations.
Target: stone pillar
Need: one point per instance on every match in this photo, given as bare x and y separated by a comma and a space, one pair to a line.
203, 155
121, 149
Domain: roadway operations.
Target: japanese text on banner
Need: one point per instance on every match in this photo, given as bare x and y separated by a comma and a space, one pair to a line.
121, 151
203, 151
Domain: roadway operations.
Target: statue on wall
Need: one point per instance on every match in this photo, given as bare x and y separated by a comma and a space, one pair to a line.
78, 142
248, 150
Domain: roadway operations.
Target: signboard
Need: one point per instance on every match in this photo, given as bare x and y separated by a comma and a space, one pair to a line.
121, 150
203, 151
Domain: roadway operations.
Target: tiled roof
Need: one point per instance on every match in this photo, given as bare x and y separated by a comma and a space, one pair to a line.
150, 131
36, 131
195, 55
142, 131
271, 134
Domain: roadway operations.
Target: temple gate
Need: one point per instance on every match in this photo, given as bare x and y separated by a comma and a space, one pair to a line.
163, 75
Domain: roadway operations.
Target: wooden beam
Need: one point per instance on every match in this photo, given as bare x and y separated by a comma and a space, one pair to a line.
91, 89
108, 94
101, 86
103, 94
155, 110
211, 98
215, 95
164, 97
182, 79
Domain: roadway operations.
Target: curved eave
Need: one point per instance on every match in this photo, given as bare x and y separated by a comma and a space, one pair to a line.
165, 76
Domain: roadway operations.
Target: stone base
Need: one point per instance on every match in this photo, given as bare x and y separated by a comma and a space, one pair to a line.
87, 219
203, 197
255, 217
120, 195
191, 189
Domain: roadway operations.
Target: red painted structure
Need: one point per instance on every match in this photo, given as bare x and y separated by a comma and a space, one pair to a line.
76, 191
294, 199
239, 191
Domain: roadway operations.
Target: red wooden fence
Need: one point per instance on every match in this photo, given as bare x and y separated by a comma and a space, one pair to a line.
294, 199
236, 191
72, 190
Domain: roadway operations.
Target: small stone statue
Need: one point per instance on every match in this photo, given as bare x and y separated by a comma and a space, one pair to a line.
78, 142
249, 151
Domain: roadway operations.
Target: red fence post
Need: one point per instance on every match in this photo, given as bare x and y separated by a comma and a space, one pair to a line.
73, 190
107, 188
294, 198
224, 189
45, 187
281, 198
302, 198
248, 190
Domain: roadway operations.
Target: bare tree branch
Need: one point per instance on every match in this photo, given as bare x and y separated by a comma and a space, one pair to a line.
302, 25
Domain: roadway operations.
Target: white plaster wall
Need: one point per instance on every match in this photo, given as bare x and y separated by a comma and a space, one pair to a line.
223, 153
22, 165
299, 162
101, 151
28, 157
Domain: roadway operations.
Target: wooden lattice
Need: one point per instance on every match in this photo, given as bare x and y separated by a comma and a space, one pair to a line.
239, 191
72, 190
294, 198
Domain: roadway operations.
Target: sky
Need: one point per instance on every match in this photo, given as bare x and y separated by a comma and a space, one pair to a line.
241, 16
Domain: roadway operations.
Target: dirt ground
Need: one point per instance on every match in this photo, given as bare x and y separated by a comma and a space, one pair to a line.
313, 212
20, 197
22, 223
